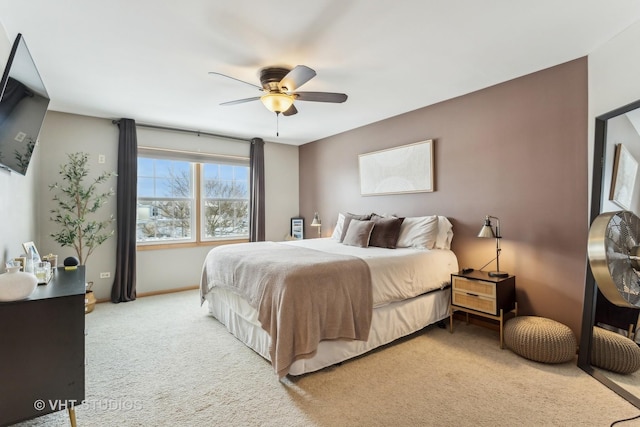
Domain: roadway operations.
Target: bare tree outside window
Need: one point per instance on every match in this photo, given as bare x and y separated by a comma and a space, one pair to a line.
166, 201
226, 209
178, 211
164, 210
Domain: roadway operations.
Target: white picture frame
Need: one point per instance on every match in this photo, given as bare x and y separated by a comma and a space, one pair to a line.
28, 246
404, 169
623, 179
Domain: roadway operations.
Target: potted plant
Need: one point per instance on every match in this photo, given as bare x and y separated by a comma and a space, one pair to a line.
78, 200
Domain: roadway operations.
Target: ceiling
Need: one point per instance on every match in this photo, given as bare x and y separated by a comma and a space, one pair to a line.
149, 60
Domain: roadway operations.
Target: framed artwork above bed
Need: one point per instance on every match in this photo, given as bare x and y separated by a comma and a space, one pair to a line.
404, 169
297, 228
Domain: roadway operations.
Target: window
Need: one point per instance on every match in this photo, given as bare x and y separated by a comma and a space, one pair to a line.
181, 200
225, 201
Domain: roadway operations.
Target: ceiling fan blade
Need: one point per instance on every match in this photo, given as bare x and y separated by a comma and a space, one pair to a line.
296, 78
320, 96
241, 101
213, 73
290, 111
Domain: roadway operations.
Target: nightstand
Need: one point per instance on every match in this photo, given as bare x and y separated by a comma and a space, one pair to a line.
482, 295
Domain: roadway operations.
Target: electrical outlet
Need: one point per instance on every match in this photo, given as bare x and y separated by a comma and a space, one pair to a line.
105, 275
20, 136
101, 158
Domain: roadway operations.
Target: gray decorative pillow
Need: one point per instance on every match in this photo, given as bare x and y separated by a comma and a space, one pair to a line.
358, 233
347, 218
385, 231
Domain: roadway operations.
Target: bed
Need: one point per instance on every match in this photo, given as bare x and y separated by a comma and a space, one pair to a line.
308, 304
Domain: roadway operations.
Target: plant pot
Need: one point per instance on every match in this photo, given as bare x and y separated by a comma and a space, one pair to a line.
89, 302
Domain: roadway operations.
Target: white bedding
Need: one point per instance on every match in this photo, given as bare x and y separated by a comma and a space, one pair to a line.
407, 296
396, 274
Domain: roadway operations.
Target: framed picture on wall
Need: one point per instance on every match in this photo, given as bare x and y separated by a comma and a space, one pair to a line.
297, 228
623, 179
404, 169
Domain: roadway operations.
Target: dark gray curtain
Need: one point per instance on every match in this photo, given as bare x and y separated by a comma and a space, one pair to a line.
124, 282
256, 190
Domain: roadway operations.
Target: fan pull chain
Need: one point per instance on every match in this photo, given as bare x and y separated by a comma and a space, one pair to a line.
277, 123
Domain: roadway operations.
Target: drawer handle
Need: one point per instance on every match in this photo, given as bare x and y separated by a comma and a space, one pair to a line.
473, 295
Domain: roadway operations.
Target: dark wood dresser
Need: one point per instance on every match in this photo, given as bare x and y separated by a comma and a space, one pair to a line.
42, 356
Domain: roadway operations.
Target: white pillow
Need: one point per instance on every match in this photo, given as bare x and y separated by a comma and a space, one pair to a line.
445, 233
418, 232
337, 232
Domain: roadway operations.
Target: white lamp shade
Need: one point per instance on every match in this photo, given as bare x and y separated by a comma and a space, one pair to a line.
277, 102
316, 222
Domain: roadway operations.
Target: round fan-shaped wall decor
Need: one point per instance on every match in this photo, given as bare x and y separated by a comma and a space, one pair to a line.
614, 257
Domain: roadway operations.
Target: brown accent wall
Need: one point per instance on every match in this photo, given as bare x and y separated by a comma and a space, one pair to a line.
517, 150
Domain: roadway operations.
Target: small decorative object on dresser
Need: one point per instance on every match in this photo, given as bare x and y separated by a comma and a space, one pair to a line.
53, 260
21, 261
70, 263
30, 250
16, 285
42, 270
483, 295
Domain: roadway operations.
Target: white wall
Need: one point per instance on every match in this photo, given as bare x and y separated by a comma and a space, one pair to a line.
281, 193
68, 133
614, 73
17, 203
614, 78
165, 268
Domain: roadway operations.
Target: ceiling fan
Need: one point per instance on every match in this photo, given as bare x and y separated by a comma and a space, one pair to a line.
280, 85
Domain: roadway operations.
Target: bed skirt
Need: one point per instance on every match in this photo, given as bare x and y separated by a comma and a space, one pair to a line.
389, 322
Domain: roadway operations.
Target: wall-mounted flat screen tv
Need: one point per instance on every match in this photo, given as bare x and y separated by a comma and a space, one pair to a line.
23, 106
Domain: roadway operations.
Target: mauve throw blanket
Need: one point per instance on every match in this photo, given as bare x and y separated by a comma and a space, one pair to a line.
302, 296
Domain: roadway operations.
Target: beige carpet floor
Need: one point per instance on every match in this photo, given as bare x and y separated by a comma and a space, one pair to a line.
162, 361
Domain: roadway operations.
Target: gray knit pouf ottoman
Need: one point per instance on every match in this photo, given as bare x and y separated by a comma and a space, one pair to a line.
540, 339
614, 352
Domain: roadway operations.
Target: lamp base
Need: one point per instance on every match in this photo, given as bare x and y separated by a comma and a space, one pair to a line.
498, 274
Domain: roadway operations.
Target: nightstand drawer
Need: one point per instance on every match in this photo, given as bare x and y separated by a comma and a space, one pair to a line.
476, 287
474, 302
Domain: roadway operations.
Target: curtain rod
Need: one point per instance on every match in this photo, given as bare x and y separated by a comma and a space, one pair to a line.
194, 153
197, 132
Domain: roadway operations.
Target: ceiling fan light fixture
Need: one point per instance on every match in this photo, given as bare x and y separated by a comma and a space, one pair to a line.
277, 102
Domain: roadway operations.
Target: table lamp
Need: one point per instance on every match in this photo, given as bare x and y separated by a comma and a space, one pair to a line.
487, 231
317, 223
